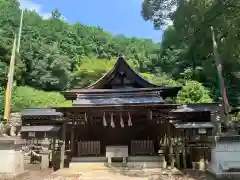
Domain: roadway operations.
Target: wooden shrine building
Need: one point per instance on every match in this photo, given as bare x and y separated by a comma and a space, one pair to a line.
123, 109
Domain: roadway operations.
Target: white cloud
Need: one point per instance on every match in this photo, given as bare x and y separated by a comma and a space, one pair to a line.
30, 5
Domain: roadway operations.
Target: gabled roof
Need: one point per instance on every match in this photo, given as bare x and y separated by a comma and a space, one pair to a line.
121, 79
121, 66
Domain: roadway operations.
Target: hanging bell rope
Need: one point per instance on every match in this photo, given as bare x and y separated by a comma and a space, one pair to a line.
104, 119
129, 119
85, 116
121, 121
112, 121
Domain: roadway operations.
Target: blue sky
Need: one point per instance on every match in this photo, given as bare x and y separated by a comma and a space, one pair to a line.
115, 16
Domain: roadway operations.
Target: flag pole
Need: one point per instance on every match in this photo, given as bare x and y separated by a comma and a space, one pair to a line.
8, 93
224, 101
20, 32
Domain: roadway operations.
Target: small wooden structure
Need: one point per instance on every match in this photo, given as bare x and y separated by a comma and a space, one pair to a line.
123, 109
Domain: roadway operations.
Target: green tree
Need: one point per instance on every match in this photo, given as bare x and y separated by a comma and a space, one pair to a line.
193, 92
27, 97
47, 68
187, 45
90, 70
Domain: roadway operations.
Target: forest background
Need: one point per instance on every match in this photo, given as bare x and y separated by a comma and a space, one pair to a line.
55, 55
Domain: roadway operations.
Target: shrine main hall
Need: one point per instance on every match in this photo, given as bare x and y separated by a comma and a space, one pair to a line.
124, 116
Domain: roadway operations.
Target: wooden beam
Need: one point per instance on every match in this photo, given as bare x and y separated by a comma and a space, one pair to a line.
104, 107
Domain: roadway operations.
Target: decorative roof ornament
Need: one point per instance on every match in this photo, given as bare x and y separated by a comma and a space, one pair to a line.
104, 119
121, 121
129, 119
112, 121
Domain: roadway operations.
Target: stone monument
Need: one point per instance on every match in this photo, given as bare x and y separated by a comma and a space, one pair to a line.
225, 158
117, 152
225, 155
12, 160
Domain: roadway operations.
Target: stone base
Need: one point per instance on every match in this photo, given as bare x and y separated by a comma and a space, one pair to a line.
222, 176
133, 162
12, 160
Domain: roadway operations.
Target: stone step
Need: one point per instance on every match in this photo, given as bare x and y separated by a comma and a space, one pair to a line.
87, 165
145, 158
102, 165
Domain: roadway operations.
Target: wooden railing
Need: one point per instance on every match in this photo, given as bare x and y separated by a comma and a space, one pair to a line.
86, 148
142, 147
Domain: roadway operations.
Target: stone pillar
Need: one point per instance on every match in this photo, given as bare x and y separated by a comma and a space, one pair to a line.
216, 119
44, 159
13, 130
124, 160
109, 161
44, 153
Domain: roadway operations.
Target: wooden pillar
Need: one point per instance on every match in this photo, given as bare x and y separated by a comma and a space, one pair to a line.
171, 152
62, 155
53, 151
170, 145
73, 140
184, 144
177, 155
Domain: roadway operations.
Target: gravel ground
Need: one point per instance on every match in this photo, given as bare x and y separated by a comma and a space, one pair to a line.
130, 175
151, 174
34, 172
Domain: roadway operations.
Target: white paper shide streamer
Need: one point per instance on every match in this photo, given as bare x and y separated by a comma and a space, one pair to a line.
112, 121
150, 115
129, 119
121, 121
104, 120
